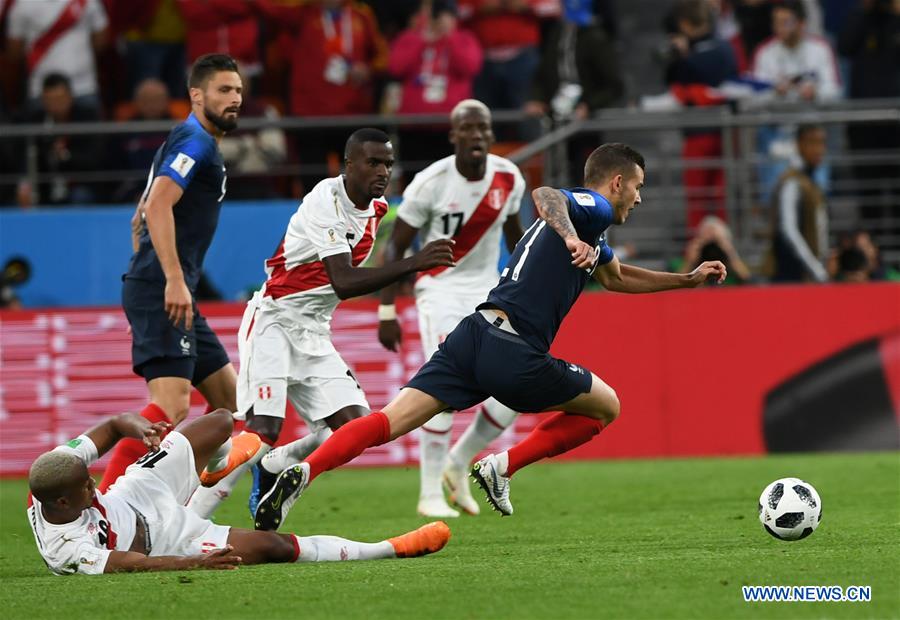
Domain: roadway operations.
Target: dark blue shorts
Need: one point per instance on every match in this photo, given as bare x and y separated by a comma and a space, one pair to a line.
478, 360
159, 348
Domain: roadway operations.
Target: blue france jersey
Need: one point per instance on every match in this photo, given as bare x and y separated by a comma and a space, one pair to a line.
539, 284
191, 158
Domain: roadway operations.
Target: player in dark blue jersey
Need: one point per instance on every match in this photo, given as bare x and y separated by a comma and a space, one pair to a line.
172, 345
502, 350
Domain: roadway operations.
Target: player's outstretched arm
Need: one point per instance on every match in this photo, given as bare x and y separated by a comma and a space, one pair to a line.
389, 333
349, 281
160, 220
553, 207
132, 562
621, 278
107, 433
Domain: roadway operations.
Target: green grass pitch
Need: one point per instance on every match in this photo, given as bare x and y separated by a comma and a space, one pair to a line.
616, 539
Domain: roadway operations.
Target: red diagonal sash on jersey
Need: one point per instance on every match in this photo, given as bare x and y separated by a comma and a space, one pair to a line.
111, 536
68, 18
485, 214
362, 249
312, 275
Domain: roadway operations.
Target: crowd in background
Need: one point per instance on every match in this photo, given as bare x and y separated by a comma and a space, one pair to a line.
555, 60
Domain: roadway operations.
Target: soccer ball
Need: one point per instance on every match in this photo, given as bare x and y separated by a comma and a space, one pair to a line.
790, 509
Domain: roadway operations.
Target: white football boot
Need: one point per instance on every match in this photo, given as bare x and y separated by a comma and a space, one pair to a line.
436, 506
486, 473
456, 484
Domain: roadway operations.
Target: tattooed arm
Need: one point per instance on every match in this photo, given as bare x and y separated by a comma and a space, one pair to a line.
553, 207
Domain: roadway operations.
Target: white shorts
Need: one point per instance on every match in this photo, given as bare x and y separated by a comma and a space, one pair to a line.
158, 488
282, 362
439, 315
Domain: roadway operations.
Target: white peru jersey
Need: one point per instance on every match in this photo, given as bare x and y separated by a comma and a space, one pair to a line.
325, 224
444, 204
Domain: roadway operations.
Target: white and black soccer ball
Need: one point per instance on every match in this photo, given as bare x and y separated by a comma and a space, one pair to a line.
790, 509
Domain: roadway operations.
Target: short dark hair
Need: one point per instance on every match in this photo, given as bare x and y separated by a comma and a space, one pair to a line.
366, 134
52, 80
610, 159
208, 65
852, 259
695, 12
804, 129
794, 6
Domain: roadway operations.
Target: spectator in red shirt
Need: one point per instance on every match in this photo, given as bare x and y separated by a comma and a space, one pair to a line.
509, 32
225, 27
437, 64
335, 52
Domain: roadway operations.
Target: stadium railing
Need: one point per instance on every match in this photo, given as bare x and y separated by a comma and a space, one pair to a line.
860, 196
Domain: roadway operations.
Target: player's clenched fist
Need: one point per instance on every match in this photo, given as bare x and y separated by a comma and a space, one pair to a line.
710, 271
438, 253
583, 255
390, 335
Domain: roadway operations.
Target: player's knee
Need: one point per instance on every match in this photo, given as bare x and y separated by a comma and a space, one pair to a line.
176, 405
177, 413
223, 422
611, 407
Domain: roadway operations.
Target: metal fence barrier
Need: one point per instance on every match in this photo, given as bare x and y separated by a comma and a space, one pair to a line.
861, 194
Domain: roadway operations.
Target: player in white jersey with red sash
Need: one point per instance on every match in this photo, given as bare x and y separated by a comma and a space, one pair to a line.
473, 198
141, 523
286, 353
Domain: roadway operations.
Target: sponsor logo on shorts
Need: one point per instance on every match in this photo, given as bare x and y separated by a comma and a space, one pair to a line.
577, 369
185, 345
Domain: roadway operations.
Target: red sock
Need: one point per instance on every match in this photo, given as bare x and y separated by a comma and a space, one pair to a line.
127, 451
557, 434
349, 441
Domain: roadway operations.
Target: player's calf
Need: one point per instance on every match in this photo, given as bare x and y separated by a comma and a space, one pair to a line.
207, 433
264, 425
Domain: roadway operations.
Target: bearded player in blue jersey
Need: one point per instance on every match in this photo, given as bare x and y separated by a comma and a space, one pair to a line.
502, 349
173, 347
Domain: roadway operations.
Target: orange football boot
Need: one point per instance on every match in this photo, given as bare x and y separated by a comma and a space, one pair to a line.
243, 448
429, 538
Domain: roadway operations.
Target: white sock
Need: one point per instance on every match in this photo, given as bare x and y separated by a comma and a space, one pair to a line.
434, 442
333, 549
491, 420
219, 460
295, 452
205, 500
503, 462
